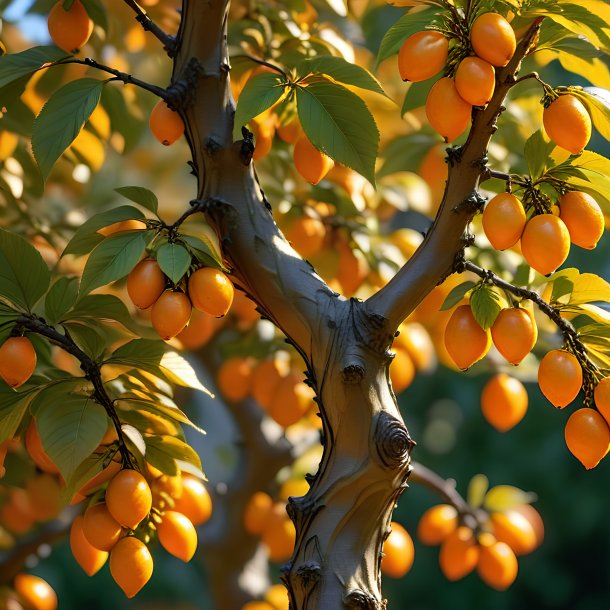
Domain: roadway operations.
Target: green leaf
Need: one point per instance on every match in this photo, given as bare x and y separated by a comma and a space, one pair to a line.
87, 237
15, 65
91, 466
13, 406
101, 307
597, 101
580, 21
160, 406
259, 94
90, 338
62, 118
70, 429
537, 150
157, 456
338, 123
562, 286
178, 370
416, 95
341, 71
174, 261
60, 299
203, 251
457, 294
114, 258
141, 195
485, 305
477, 488
24, 276
174, 448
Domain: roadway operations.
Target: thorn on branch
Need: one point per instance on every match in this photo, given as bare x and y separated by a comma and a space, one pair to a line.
247, 146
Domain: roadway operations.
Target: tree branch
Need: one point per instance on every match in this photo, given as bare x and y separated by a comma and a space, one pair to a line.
169, 42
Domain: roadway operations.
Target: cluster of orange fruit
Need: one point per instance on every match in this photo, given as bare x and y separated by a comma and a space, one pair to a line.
69, 29
209, 291
492, 551
17, 361
450, 100
544, 238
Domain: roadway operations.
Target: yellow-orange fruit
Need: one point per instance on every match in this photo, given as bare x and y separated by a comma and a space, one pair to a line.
45, 496
446, 110
587, 436
145, 283
415, 339
475, 80
200, 329
434, 170
263, 129
402, 370
17, 361
86, 555
422, 55
177, 535
291, 400
497, 565
195, 501
170, 313
493, 39
266, 377
504, 401
437, 523
36, 592
465, 340
278, 533
559, 377
583, 217
545, 243
211, 291
459, 553
256, 512
128, 498
503, 221
16, 512
601, 395
165, 124
33, 445
234, 378
310, 162
69, 30
100, 528
306, 235
398, 552
534, 518
513, 528
131, 565
291, 131
277, 596
514, 333
567, 123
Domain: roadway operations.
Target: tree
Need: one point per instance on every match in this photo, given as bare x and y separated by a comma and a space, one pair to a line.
105, 425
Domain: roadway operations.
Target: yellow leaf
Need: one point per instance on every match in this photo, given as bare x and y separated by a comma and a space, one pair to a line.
504, 497
589, 287
477, 488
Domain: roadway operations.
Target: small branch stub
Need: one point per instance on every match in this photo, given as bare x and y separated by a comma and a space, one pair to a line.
359, 600
394, 445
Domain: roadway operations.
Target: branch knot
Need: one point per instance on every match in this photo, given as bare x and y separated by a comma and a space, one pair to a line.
394, 444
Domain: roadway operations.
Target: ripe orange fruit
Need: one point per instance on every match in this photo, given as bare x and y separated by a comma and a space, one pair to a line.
459, 553
257, 606
44, 493
234, 378
16, 512
513, 528
294, 488
422, 55
87, 556
306, 235
583, 217
398, 552
534, 518
447, 112
587, 436
256, 512
504, 401
560, 377
100, 528
497, 565
545, 243
69, 30
437, 523
17, 361
163, 486
36, 592
402, 370
514, 333
195, 501
177, 535
493, 39
353, 268
475, 80
170, 313
503, 221
263, 128
291, 400
277, 596
266, 377
101, 477
567, 122
211, 291
131, 565
291, 131
165, 124
465, 340
145, 283
415, 339
601, 396
129, 498
278, 533
434, 170
201, 328
310, 162
33, 445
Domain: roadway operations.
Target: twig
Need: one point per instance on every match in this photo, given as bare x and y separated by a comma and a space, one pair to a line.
169, 42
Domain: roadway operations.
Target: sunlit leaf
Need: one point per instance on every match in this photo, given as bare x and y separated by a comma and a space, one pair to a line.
16, 65
457, 294
505, 497
477, 488
485, 304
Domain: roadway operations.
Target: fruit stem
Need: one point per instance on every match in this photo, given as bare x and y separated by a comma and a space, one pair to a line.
169, 42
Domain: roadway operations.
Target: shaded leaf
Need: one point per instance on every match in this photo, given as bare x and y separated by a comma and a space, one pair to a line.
60, 298
13, 406
203, 251
102, 307
485, 304
16, 65
174, 261
174, 448
537, 150
89, 337
141, 195
158, 407
457, 294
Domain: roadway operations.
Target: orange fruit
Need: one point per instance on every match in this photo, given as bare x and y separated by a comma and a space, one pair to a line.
422, 55
583, 217
256, 512
465, 340
291, 131
293, 487
44, 493
437, 523
164, 486
513, 528
545, 243
170, 313
514, 333
493, 39
210, 291
36, 592
200, 329
121, 226
560, 377
587, 436
601, 396
447, 112
402, 370
278, 533
306, 235
567, 122
33, 445
497, 565
86, 555
69, 30
459, 553
263, 129
4, 445
291, 400
177, 535
534, 518
234, 378
145, 283
277, 596
503, 221
434, 170
101, 477
415, 339
256, 605
475, 80
131, 565
245, 310
310, 162
195, 502
398, 552
165, 124
504, 401
353, 268
128, 498
100, 528
17, 361
16, 513
266, 377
